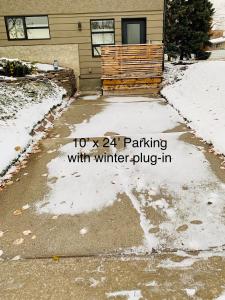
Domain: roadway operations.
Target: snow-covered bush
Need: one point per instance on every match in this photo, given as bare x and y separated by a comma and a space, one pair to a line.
15, 68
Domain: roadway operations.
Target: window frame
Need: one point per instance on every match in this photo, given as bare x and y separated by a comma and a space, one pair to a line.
99, 45
27, 27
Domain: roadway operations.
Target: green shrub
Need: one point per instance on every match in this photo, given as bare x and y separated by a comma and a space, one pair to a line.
15, 68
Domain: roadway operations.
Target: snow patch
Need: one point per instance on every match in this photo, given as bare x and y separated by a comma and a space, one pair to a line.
91, 97
131, 295
46, 67
190, 292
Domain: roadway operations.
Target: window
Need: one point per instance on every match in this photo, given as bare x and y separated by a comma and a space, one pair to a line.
27, 28
102, 33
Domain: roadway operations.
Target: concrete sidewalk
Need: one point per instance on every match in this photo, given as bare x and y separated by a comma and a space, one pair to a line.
107, 214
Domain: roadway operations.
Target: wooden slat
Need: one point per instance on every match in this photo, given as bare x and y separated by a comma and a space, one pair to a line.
131, 81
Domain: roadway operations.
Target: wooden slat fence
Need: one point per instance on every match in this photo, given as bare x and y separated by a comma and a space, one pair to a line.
132, 69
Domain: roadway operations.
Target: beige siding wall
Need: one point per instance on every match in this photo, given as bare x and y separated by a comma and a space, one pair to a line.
47, 55
218, 46
76, 6
64, 28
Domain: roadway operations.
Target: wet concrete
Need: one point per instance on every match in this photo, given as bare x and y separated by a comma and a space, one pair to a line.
97, 278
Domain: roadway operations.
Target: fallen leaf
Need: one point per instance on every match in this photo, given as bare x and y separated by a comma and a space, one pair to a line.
17, 212
55, 258
25, 207
18, 148
18, 241
27, 232
18, 257
9, 182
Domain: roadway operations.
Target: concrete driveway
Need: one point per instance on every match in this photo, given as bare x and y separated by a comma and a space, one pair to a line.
146, 223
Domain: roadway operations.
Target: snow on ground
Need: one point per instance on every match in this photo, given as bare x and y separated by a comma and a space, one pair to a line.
199, 97
22, 105
218, 40
142, 117
91, 97
221, 297
175, 72
46, 67
191, 190
130, 295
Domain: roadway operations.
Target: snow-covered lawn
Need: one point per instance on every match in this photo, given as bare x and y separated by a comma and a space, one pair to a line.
200, 97
22, 106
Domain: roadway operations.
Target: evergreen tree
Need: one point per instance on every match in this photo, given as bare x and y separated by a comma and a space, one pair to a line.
188, 25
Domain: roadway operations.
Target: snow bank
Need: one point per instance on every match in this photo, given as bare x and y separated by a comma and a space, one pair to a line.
20, 110
200, 98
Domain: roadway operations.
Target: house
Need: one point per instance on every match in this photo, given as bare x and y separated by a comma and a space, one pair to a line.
218, 43
73, 31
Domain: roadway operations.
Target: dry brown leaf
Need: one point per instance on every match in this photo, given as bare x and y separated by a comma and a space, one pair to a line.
18, 257
18, 148
55, 258
9, 182
17, 212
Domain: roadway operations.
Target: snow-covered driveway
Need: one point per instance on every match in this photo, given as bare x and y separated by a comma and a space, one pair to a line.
180, 202
155, 170
164, 191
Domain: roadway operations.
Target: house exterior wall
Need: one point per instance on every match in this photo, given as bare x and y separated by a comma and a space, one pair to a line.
64, 16
220, 46
67, 55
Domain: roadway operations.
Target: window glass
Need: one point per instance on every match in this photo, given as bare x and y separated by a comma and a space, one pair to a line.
133, 33
103, 38
29, 28
102, 33
40, 21
39, 33
102, 25
15, 28
96, 51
